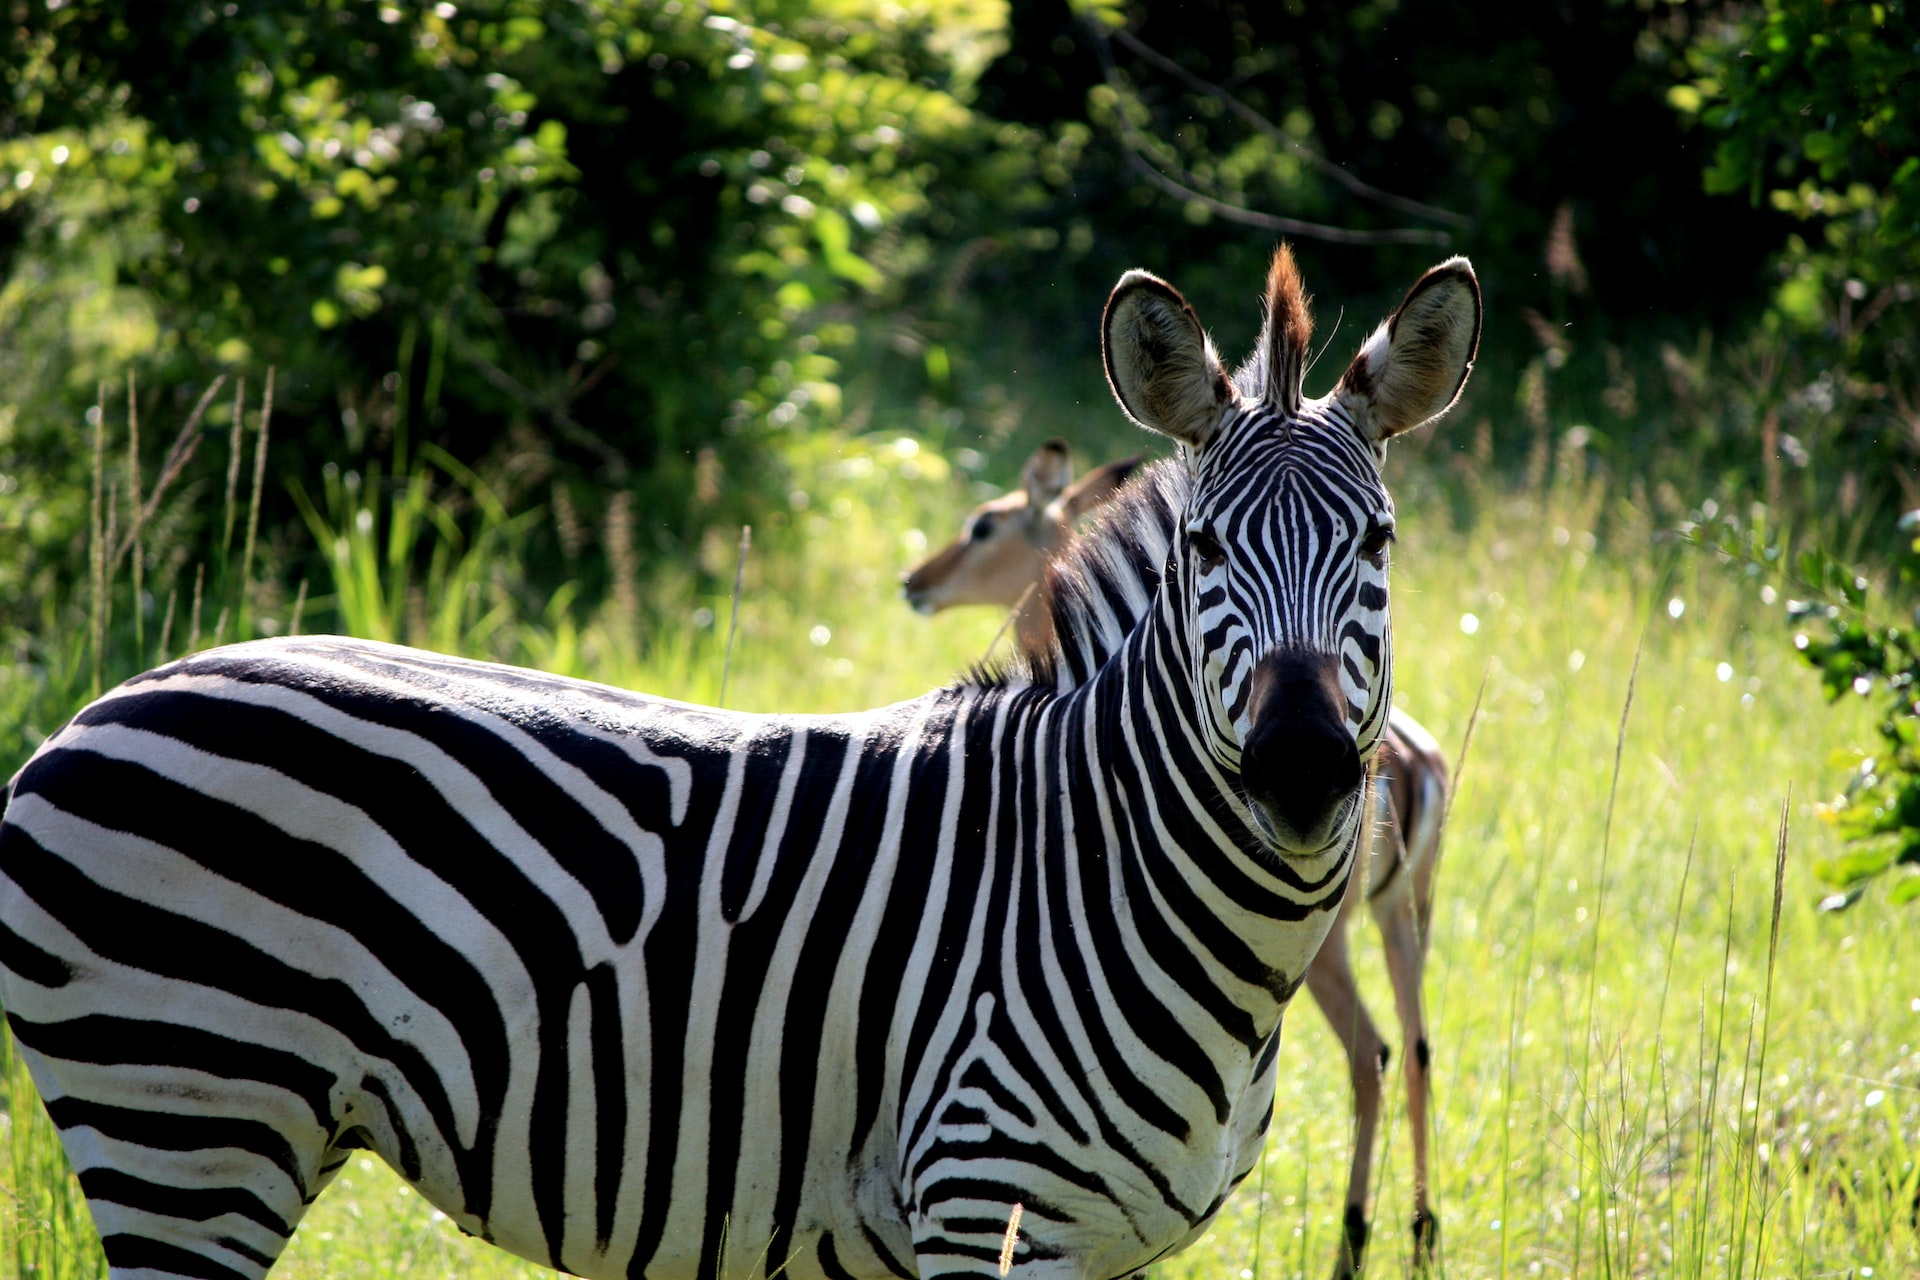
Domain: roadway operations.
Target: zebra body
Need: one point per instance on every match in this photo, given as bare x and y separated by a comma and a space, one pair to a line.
632, 987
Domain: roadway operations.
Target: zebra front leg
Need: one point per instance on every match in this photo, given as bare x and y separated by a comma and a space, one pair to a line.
1330, 980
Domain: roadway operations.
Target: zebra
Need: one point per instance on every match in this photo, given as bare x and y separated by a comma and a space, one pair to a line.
632, 987
1000, 557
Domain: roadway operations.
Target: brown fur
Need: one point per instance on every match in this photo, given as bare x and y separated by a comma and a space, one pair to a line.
1289, 330
1007, 566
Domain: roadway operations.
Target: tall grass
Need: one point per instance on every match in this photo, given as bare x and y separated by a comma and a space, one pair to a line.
1652, 1056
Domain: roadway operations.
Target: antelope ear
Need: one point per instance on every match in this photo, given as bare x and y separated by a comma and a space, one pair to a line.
1160, 363
1097, 488
1047, 473
1412, 368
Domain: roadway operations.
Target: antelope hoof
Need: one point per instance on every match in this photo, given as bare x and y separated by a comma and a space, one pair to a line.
1353, 1244
1426, 1229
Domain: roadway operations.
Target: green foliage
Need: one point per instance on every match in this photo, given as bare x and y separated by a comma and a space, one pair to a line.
640, 239
1817, 110
1862, 654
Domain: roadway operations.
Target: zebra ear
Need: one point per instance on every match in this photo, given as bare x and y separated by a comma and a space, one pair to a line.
1412, 368
1160, 362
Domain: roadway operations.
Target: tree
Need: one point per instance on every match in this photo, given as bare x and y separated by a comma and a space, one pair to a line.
1816, 108
630, 240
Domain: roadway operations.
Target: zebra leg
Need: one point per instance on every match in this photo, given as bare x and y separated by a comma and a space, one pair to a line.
197, 1153
1330, 980
202, 1189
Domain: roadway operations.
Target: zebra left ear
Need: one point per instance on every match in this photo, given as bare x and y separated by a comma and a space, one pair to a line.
1412, 368
1160, 362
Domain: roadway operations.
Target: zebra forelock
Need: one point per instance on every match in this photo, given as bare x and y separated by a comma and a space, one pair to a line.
1272, 374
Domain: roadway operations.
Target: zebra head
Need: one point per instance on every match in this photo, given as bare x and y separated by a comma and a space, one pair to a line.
1279, 561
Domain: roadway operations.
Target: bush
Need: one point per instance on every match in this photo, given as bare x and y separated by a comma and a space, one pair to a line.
1817, 110
1862, 654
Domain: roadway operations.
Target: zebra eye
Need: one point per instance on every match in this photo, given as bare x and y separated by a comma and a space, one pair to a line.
1375, 543
1207, 547
982, 529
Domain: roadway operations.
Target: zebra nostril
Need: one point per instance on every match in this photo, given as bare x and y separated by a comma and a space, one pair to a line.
1300, 761
1302, 771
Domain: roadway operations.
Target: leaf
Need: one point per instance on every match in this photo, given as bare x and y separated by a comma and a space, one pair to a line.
1852, 868
1820, 147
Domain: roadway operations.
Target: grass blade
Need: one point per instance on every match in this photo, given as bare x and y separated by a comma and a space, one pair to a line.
233, 464
138, 523
1593, 961
96, 550
253, 505
733, 617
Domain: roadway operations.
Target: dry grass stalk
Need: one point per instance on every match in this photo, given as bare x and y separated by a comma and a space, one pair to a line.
108, 570
733, 618
96, 546
623, 566
199, 592
233, 462
178, 455
1012, 1238
138, 519
166, 627
259, 483
1013, 616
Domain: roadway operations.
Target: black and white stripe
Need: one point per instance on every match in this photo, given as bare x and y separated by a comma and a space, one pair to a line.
633, 987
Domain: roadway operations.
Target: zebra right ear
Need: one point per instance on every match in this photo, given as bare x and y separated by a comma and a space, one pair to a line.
1412, 368
1160, 363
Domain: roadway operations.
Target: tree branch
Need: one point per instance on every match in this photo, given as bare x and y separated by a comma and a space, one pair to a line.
1274, 222
1318, 162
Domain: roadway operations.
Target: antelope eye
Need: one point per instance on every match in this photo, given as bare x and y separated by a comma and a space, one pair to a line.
1207, 547
982, 529
1376, 540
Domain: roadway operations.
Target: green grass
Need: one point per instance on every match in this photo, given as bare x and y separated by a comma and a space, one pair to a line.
1615, 1094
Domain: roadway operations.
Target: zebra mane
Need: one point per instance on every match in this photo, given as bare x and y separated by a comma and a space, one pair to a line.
1102, 583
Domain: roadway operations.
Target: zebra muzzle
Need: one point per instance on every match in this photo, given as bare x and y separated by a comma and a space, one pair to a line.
1300, 767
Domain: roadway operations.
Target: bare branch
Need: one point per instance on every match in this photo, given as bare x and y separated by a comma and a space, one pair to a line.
1183, 187
1274, 222
553, 408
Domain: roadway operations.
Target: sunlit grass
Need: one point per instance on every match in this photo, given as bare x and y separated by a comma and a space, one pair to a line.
1600, 1104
